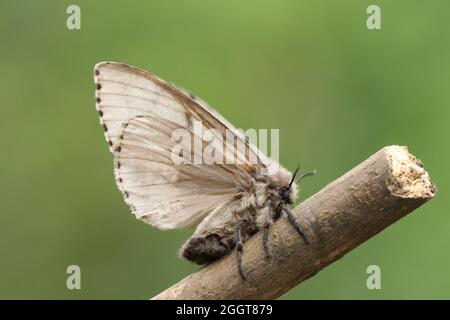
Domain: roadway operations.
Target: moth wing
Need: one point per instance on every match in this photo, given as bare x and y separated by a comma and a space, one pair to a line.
162, 193
139, 112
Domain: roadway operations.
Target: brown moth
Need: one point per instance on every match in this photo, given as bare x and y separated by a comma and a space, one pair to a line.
226, 202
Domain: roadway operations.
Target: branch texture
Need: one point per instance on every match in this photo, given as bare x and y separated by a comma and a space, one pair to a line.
344, 214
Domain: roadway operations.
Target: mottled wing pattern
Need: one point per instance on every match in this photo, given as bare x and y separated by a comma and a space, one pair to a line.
138, 112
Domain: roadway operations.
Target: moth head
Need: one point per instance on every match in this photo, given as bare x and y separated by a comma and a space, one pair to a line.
288, 193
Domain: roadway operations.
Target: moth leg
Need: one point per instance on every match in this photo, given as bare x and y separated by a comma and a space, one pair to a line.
267, 218
239, 250
266, 241
295, 223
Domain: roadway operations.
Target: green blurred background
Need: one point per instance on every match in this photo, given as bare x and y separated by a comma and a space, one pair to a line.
337, 91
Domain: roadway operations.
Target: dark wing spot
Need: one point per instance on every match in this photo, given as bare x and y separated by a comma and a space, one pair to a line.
100, 113
105, 128
98, 100
99, 86
119, 148
97, 73
110, 143
120, 180
118, 165
126, 194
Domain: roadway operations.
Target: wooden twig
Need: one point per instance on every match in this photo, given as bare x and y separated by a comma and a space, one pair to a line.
344, 214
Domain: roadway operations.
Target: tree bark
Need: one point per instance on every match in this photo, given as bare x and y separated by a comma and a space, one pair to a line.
344, 214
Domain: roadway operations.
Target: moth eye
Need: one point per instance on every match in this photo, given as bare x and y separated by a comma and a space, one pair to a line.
284, 194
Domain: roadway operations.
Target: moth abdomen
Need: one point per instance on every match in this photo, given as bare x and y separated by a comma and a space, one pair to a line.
205, 249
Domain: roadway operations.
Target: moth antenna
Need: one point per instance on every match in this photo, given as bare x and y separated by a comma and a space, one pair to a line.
295, 173
306, 175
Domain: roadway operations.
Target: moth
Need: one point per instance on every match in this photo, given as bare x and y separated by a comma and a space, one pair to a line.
226, 203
